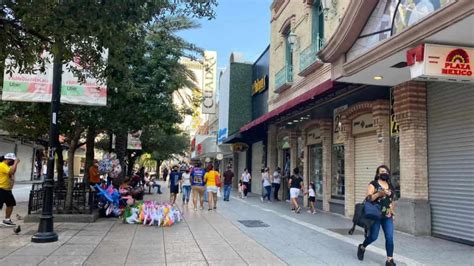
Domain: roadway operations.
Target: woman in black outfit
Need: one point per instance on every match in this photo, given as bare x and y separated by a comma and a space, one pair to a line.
382, 191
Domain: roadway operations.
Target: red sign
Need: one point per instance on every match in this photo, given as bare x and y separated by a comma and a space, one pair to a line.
440, 62
199, 149
457, 63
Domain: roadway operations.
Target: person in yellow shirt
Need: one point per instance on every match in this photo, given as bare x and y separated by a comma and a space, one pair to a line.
8, 166
212, 179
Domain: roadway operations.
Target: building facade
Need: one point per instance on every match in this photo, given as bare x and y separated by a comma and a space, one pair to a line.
357, 84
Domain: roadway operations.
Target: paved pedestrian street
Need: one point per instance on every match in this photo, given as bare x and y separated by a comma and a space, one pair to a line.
219, 238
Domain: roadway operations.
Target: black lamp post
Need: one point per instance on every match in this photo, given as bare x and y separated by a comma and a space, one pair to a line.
46, 232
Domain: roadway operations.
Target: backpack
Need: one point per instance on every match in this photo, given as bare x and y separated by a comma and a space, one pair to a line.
359, 219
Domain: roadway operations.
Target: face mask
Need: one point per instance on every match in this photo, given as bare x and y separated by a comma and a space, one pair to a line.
384, 176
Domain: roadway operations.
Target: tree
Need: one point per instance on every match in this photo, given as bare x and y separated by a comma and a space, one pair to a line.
140, 71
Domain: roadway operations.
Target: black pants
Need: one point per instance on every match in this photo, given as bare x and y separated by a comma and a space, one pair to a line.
276, 188
246, 190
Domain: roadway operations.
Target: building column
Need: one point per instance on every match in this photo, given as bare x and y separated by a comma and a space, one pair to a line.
235, 169
349, 167
326, 137
381, 115
294, 150
413, 208
272, 153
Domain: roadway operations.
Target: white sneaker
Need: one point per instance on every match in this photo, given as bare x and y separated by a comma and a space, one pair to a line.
261, 199
308, 211
8, 222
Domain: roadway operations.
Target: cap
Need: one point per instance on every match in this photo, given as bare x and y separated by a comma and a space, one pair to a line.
9, 156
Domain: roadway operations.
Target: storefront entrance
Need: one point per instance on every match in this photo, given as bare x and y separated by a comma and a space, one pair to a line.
316, 171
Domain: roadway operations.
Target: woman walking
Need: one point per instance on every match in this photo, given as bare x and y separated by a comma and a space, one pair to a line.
276, 183
246, 178
296, 185
381, 190
211, 179
186, 187
267, 185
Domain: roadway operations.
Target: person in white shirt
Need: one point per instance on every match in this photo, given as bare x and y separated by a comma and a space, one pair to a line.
312, 197
276, 183
266, 184
246, 178
186, 185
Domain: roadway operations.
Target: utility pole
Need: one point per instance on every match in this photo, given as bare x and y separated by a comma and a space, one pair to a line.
46, 232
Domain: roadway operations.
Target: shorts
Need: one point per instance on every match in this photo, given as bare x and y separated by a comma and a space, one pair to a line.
174, 189
312, 199
294, 192
198, 190
6, 197
212, 189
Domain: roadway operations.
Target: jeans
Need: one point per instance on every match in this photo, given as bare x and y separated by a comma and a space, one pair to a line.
276, 189
227, 189
268, 192
158, 186
387, 226
186, 193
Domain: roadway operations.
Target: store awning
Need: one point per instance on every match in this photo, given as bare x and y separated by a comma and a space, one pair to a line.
297, 101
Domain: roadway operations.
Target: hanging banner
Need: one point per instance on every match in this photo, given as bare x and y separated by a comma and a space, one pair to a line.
133, 140
38, 87
210, 80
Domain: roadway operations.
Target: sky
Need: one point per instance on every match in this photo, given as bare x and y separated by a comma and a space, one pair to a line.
240, 26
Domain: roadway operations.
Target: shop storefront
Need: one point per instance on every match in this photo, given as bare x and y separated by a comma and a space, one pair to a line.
430, 134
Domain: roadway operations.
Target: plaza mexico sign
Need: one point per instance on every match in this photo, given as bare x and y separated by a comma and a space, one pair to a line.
441, 62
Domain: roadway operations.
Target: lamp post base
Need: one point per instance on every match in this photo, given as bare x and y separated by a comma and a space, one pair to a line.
44, 237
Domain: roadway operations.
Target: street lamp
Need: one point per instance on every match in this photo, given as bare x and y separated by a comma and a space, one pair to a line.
291, 39
46, 232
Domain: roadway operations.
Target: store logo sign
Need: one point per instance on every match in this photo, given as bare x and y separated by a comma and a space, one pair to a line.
457, 63
259, 85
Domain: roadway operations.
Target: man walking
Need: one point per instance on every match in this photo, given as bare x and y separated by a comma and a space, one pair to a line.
228, 177
174, 181
8, 168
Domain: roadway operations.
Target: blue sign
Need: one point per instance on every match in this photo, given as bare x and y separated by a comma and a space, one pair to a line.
222, 135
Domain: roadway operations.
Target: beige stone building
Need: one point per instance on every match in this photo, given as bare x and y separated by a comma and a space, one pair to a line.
357, 84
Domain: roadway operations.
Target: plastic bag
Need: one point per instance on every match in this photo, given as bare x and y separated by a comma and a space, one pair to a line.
219, 192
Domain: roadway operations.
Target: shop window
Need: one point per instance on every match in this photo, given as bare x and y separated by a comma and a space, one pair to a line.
316, 168
337, 180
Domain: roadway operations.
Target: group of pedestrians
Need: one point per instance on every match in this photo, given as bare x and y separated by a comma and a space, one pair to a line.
203, 184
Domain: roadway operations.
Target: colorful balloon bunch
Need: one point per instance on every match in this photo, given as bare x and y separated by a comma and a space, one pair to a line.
110, 165
152, 213
109, 199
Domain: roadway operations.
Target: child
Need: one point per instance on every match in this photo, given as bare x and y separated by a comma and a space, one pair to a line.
312, 197
241, 189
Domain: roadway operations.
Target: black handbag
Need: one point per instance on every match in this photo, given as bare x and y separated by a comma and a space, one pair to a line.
372, 210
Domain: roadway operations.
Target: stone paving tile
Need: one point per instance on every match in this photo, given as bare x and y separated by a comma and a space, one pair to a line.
184, 257
63, 260
189, 263
90, 240
21, 260
74, 250
34, 249
227, 262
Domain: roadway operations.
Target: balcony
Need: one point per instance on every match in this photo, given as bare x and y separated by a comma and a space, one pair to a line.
284, 79
309, 60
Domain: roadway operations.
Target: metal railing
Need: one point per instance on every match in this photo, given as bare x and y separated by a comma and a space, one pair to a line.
284, 76
83, 200
309, 55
